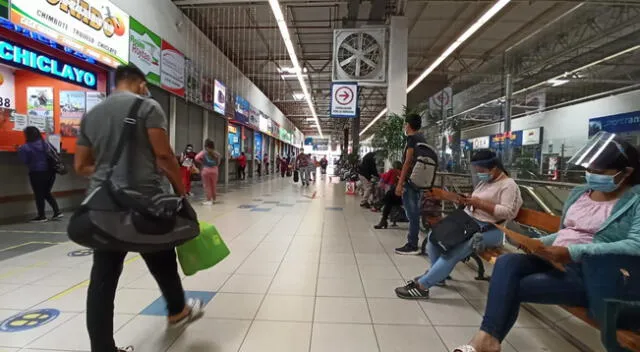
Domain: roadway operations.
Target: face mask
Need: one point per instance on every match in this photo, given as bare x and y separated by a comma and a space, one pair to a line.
484, 176
602, 183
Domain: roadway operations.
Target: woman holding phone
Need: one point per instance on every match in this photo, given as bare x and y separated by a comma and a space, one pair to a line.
494, 200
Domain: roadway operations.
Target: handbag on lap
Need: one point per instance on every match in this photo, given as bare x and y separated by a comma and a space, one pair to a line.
123, 219
458, 227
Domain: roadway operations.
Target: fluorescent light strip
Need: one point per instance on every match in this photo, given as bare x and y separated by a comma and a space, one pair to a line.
284, 31
499, 5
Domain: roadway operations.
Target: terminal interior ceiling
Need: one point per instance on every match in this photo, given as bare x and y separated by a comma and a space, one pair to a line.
563, 50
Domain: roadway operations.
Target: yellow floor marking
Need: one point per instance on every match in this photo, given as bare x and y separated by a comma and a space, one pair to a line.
26, 244
35, 232
86, 282
21, 269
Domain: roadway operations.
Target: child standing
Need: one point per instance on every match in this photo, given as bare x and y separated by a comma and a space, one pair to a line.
186, 167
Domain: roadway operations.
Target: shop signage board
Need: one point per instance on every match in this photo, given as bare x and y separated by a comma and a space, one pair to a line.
144, 51
172, 67
97, 28
619, 123
480, 143
344, 100
207, 92
17, 56
254, 118
264, 124
220, 97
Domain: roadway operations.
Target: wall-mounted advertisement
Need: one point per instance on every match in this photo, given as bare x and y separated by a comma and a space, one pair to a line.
207, 91
194, 83
94, 98
480, 143
144, 51
97, 28
73, 106
242, 110
275, 129
220, 97
257, 146
532, 136
234, 141
254, 118
264, 124
7, 88
40, 108
172, 69
619, 123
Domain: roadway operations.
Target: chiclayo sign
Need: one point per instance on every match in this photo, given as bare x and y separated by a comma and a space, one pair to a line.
145, 48
97, 28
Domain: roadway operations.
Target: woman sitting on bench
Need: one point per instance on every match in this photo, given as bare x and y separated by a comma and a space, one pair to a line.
601, 218
495, 199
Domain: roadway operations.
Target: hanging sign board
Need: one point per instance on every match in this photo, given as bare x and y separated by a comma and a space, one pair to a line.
344, 100
145, 48
620, 123
4, 8
532, 136
172, 67
97, 28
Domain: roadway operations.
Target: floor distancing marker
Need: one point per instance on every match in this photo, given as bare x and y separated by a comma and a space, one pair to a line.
21, 269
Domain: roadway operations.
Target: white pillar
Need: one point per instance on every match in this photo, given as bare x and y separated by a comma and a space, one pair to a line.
205, 127
397, 73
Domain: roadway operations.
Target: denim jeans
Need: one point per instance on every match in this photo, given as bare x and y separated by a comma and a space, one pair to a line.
412, 202
519, 278
442, 264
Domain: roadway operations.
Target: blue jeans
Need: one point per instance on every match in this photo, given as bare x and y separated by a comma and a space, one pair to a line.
519, 278
412, 202
442, 264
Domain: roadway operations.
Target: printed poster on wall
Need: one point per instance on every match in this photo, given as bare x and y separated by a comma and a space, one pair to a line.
40, 108
145, 49
242, 110
7, 88
101, 31
220, 94
254, 118
172, 67
207, 91
73, 106
20, 121
93, 99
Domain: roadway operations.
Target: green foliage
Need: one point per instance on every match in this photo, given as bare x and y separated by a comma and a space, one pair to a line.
389, 138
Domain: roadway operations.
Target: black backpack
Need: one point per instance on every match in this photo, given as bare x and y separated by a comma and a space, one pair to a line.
54, 160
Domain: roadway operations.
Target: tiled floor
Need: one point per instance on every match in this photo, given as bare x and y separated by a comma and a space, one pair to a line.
305, 274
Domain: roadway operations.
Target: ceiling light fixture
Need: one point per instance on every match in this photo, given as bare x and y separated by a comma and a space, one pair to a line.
557, 82
284, 32
499, 5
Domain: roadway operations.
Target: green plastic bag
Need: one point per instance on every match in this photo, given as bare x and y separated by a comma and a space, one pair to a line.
202, 252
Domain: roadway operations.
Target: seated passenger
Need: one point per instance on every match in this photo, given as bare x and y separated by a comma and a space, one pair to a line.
495, 199
601, 218
388, 182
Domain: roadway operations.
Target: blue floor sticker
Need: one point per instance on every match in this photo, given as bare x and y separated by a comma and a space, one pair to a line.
247, 206
334, 208
264, 210
257, 200
159, 306
29, 320
80, 253
303, 201
271, 202
284, 205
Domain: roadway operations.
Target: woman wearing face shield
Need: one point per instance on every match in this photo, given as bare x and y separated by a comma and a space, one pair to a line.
600, 231
494, 200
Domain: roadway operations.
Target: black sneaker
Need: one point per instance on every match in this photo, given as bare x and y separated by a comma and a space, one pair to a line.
57, 216
39, 219
408, 249
412, 291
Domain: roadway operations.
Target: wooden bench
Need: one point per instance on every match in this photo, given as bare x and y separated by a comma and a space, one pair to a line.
550, 224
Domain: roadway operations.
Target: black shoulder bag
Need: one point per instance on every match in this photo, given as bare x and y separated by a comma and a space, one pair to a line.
455, 228
124, 219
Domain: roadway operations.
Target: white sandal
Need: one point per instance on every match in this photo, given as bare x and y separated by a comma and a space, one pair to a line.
465, 348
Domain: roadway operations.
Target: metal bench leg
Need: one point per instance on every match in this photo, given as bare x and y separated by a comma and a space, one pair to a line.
481, 271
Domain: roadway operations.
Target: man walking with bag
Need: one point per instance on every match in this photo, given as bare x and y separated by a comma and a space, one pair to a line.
99, 134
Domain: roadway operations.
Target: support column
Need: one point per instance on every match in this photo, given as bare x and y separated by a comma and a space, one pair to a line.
506, 126
172, 122
355, 132
397, 72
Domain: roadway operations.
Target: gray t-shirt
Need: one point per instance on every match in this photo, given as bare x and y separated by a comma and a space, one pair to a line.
100, 130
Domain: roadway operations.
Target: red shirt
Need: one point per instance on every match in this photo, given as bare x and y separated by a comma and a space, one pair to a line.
242, 160
390, 177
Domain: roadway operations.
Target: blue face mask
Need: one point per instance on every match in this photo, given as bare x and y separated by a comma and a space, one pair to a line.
602, 183
484, 176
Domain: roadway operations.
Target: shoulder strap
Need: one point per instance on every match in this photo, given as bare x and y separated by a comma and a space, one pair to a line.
128, 133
